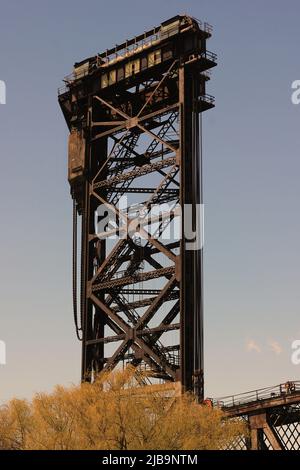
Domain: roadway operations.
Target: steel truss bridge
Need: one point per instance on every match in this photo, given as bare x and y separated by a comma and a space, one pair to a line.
272, 415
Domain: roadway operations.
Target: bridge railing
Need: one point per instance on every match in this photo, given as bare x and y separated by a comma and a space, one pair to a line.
257, 395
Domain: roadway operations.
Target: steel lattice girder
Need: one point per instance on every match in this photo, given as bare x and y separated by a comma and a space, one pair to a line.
274, 429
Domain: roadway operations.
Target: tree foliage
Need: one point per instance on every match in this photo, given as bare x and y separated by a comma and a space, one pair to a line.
115, 412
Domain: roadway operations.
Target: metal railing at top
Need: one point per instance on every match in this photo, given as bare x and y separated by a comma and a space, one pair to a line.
130, 48
208, 99
268, 393
156, 35
207, 27
210, 56
62, 89
204, 26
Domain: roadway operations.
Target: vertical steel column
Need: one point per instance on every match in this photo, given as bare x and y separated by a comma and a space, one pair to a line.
93, 319
87, 270
191, 328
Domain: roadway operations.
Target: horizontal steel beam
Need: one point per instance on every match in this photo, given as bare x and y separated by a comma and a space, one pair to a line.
145, 276
245, 408
141, 171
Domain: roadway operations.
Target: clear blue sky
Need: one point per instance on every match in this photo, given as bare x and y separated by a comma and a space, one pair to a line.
251, 186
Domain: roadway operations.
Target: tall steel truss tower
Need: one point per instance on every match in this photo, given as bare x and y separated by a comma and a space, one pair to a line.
135, 173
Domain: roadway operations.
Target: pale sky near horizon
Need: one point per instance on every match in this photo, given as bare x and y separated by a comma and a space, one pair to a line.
251, 186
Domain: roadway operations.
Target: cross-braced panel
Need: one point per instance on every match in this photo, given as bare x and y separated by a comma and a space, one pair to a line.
137, 223
286, 424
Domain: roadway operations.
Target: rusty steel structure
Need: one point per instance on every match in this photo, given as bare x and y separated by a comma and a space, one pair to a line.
134, 116
135, 172
272, 416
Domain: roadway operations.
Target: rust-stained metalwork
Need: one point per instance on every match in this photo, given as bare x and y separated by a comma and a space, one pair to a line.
272, 415
133, 115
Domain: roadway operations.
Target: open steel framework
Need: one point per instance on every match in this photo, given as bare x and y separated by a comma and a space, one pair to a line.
134, 118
